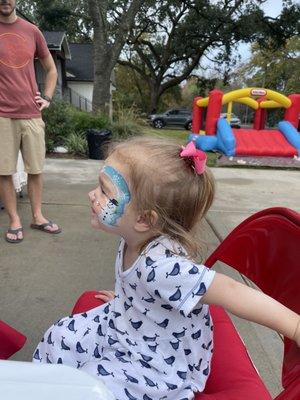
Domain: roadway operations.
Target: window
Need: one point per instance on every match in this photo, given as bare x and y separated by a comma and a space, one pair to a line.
184, 112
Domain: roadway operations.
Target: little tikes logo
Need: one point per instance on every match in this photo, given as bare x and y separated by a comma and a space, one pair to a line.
258, 92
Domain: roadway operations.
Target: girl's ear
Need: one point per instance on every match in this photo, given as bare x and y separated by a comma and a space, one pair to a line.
146, 221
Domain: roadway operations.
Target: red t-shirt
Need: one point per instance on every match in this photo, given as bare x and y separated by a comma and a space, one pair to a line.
20, 43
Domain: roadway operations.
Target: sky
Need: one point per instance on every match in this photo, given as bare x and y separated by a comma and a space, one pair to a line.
272, 8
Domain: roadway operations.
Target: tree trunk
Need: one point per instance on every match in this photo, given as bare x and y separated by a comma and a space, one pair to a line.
154, 97
102, 75
101, 93
106, 50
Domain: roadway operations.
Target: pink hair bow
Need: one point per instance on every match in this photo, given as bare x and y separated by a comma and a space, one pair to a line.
198, 156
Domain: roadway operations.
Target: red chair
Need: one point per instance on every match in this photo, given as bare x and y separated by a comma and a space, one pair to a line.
265, 248
11, 341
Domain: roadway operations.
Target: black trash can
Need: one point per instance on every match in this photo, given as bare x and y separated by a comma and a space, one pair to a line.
97, 140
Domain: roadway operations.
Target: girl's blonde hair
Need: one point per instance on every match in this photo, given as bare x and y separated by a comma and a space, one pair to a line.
162, 181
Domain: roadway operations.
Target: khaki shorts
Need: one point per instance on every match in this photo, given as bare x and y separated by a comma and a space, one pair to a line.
27, 135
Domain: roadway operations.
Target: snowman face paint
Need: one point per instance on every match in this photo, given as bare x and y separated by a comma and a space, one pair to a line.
114, 208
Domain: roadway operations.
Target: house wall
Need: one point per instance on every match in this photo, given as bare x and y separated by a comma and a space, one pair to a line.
81, 94
40, 75
84, 89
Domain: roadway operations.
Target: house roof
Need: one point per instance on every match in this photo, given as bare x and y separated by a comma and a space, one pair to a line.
81, 66
57, 41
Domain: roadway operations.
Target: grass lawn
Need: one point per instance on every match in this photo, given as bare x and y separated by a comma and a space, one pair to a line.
181, 135
178, 134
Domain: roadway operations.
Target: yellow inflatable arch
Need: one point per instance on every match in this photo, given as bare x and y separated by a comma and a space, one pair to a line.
245, 96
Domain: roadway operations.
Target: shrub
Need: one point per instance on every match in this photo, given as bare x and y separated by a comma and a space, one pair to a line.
82, 121
126, 123
58, 120
76, 144
66, 126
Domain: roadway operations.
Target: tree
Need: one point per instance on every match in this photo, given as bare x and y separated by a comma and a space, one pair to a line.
131, 91
278, 70
112, 22
274, 69
27, 7
168, 44
70, 16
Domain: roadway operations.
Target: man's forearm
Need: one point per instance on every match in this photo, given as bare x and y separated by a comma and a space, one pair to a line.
50, 83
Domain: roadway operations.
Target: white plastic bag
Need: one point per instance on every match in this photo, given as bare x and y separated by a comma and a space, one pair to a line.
20, 177
29, 381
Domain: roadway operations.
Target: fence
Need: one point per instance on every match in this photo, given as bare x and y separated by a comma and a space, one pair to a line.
77, 100
72, 97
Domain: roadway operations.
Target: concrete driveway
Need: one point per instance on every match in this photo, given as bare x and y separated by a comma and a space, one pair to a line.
41, 278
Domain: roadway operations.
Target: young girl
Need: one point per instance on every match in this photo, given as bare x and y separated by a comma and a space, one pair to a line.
153, 337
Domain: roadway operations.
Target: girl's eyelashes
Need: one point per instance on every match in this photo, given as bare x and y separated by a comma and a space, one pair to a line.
102, 191
114, 202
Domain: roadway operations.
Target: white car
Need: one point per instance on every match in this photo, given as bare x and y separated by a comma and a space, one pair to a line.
235, 122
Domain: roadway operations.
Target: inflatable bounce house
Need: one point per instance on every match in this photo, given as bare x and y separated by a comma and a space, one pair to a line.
258, 141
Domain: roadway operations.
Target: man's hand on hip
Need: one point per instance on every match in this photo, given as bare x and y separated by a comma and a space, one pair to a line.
41, 102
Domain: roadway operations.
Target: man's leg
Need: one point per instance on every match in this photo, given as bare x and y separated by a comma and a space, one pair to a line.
35, 190
33, 150
8, 196
9, 149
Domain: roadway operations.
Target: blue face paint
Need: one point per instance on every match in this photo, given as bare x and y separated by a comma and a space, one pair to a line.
114, 209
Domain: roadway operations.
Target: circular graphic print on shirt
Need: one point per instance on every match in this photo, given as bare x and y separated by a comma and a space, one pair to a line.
13, 50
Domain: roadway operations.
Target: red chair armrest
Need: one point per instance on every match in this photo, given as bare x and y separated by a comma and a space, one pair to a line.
86, 302
233, 375
11, 341
292, 392
291, 363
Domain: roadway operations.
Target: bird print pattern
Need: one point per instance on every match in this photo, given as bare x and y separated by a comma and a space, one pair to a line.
154, 340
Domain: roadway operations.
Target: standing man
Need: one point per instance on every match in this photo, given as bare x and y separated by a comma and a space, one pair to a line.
21, 125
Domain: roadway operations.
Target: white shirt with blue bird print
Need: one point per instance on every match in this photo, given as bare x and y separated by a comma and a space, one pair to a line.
154, 340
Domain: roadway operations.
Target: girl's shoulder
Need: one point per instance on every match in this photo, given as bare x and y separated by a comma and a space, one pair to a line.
166, 272
165, 254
